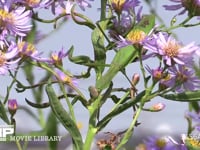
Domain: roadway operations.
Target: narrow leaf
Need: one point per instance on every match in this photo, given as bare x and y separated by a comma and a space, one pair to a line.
121, 60
183, 97
62, 115
52, 130
99, 48
3, 114
83, 60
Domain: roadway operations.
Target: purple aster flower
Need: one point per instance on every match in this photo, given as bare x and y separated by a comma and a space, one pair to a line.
170, 49
27, 50
8, 59
182, 78
60, 75
83, 3
56, 57
14, 21
157, 73
156, 143
130, 5
136, 36
124, 5
192, 6
121, 26
65, 8
181, 145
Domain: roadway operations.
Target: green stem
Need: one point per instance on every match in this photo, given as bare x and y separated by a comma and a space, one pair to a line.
68, 102
19, 147
103, 9
182, 24
92, 129
48, 21
102, 123
120, 101
90, 137
25, 145
129, 132
142, 68
11, 85
41, 118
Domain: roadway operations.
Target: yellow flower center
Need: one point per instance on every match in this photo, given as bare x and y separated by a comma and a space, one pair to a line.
2, 59
32, 2
157, 74
118, 5
161, 143
194, 142
171, 49
181, 77
5, 17
55, 57
67, 79
136, 36
26, 48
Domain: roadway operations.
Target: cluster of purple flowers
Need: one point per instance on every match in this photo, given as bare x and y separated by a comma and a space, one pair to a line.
176, 70
16, 23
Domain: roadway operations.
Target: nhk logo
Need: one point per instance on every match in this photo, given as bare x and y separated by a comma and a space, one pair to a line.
6, 130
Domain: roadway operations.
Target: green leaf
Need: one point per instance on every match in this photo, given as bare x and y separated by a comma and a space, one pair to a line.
183, 97
121, 60
82, 60
52, 130
195, 106
99, 48
81, 19
28, 71
147, 23
197, 69
3, 114
62, 115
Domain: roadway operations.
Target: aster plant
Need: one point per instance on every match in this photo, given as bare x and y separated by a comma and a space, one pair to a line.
134, 39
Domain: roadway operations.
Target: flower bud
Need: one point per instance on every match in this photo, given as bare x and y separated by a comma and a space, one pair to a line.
12, 106
158, 107
135, 79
